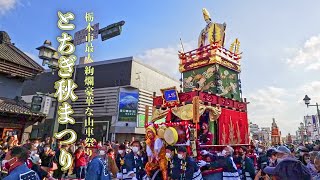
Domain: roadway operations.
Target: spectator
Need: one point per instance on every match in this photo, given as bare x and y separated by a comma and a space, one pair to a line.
47, 159
310, 165
288, 168
317, 167
80, 163
15, 163
247, 167
36, 166
124, 164
97, 168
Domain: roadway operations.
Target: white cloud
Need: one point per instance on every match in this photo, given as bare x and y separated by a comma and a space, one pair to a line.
307, 56
283, 104
7, 5
165, 59
312, 89
269, 100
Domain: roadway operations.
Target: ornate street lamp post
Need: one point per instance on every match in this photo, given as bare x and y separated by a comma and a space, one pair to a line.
49, 55
306, 100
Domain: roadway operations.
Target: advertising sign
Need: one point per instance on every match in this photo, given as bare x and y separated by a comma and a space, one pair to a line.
128, 104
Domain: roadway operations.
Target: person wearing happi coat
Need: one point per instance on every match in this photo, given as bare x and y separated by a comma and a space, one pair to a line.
138, 159
97, 168
187, 168
226, 162
172, 159
247, 171
124, 163
156, 153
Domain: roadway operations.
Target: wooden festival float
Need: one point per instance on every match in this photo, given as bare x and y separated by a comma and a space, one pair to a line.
211, 93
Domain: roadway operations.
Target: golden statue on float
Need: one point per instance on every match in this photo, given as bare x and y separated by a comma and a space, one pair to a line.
212, 33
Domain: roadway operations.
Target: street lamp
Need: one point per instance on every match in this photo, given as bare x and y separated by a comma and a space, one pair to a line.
49, 55
306, 100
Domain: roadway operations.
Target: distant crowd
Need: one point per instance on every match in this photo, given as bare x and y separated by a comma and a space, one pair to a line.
111, 160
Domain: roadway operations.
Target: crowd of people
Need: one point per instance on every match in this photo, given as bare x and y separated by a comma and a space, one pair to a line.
111, 160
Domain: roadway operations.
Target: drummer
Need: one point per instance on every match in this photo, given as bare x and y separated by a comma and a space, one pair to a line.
205, 137
156, 152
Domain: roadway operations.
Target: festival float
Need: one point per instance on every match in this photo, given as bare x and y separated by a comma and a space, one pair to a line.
210, 97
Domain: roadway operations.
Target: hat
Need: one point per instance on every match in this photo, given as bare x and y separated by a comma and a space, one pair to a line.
270, 152
289, 169
245, 149
283, 149
151, 128
182, 149
171, 148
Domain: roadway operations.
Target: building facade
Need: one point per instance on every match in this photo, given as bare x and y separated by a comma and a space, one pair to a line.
123, 87
16, 118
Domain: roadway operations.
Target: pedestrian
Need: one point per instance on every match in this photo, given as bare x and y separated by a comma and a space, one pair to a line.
288, 167
17, 168
97, 168
226, 162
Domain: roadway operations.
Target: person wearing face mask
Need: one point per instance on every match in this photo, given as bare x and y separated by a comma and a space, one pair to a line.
230, 171
36, 166
138, 160
205, 136
15, 163
187, 167
247, 171
36, 144
125, 165
97, 168
288, 167
173, 162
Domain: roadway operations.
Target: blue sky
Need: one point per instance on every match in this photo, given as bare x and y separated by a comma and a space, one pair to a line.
279, 40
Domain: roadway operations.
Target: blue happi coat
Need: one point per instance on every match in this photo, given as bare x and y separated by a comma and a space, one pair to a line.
97, 170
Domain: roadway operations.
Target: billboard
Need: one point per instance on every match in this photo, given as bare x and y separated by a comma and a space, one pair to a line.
128, 104
142, 117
